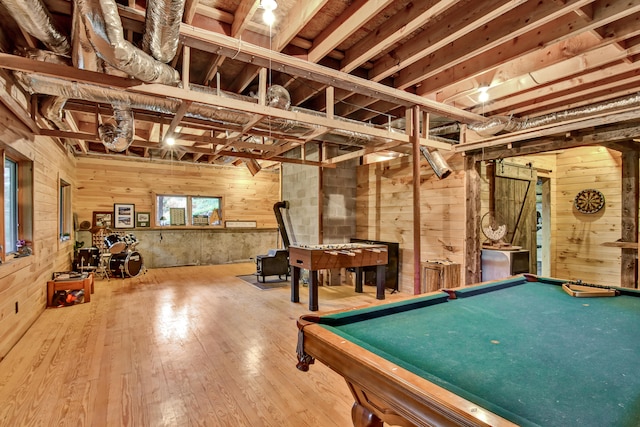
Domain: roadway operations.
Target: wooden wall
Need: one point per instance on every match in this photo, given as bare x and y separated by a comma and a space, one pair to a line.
575, 241
23, 280
384, 205
579, 237
101, 183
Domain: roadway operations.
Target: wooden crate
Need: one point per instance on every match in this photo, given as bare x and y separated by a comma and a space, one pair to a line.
439, 275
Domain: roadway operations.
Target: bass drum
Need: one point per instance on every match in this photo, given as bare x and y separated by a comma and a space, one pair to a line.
87, 257
126, 264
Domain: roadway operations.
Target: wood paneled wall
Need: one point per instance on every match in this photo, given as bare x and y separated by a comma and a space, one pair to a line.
384, 205
580, 237
576, 241
101, 183
23, 280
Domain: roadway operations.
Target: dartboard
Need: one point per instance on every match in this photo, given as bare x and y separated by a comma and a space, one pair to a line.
589, 201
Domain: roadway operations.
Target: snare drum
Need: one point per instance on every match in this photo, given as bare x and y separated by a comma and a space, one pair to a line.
126, 264
114, 243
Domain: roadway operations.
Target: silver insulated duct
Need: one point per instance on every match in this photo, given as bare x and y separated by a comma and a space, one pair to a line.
162, 30
104, 31
118, 136
498, 124
33, 16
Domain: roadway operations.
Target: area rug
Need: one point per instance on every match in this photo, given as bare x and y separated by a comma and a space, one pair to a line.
271, 282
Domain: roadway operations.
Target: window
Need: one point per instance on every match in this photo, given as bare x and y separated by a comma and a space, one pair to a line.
64, 207
188, 210
10, 206
17, 205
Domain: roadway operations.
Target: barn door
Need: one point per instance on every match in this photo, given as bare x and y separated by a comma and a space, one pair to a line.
515, 202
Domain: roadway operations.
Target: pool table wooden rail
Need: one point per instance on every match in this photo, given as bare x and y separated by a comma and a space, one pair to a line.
383, 391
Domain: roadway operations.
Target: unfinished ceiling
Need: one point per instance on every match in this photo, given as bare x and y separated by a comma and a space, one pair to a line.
119, 78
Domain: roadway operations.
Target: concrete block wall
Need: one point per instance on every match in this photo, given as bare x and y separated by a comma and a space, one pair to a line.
300, 187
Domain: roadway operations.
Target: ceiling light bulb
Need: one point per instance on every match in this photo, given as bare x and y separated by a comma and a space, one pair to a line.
170, 141
483, 95
269, 5
268, 17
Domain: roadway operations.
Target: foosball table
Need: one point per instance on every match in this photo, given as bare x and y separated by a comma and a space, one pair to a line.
325, 257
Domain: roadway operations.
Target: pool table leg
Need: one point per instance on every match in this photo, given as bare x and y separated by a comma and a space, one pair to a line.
362, 417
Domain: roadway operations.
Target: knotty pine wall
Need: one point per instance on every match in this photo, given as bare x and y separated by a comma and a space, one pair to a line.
385, 211
23, 280
580, 237
103, 182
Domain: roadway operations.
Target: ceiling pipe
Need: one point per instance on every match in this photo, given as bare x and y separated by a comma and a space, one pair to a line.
162, 28
118, 136
498, 124
105, 33
35, 19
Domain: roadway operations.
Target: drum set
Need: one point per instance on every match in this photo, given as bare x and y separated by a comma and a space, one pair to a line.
114, 256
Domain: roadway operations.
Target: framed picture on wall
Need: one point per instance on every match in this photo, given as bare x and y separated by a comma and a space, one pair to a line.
142, 219
102, 219
123, 215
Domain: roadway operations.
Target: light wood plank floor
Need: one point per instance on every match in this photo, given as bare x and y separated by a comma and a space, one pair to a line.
175, 347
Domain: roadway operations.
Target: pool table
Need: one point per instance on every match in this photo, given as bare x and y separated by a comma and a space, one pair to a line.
518, 351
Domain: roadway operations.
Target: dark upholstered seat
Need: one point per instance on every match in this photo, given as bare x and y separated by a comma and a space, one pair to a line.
274, 263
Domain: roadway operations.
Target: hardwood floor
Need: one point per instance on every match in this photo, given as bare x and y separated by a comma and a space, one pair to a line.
175, 347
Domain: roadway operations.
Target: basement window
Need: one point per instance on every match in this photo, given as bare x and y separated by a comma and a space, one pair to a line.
178, 210
17, 206
64, 210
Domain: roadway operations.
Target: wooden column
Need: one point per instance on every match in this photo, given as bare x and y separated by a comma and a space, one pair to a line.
472, 272
629, 219
415, 145
321, 157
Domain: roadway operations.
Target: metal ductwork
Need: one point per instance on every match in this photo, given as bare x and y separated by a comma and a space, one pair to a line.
278, 97
162, 30
118, 136
34, 18
73, 90
83, 55
104, 31
437, 162
508, 124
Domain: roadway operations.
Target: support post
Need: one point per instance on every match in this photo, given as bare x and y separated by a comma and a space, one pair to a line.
415, 145
629, 219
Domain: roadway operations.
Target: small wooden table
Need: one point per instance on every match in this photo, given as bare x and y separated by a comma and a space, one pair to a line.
85, 282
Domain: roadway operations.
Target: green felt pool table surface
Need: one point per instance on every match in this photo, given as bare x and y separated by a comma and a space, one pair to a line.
526, 351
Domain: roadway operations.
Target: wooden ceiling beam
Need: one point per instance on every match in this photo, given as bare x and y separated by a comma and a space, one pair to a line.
182, 110
506, 28
355, 16
582, 89
301, 13
562, 46
243, 16
461, 20
287, 30
618, 134
397, 27
217, 43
